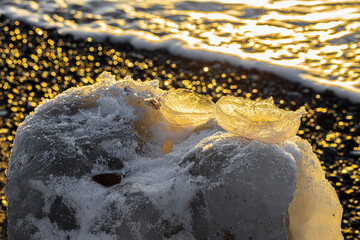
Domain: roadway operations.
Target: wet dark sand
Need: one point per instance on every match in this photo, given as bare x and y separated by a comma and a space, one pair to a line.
38, 64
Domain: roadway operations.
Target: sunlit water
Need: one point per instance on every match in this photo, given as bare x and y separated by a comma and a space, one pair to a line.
319, 37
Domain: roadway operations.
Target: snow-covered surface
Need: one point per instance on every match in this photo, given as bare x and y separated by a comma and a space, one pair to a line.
179, 181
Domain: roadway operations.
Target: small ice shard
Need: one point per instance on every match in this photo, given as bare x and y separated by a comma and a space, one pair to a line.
184, 108
259, 120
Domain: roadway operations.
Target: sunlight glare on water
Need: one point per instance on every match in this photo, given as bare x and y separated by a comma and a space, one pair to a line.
320, 37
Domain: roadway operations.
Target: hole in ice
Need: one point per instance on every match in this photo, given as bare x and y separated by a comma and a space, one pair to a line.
107, 179
185, 108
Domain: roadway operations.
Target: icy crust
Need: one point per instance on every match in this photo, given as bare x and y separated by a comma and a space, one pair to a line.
178, 181
250, 187
82, 114
241, 190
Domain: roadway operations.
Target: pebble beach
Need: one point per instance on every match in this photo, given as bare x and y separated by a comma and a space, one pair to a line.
38, 64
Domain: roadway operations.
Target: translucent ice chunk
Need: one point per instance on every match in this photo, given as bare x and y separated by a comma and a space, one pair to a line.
185, 108
260, 120
315, 212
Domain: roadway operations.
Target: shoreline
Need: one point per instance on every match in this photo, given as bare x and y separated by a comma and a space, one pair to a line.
175, 47
39, 64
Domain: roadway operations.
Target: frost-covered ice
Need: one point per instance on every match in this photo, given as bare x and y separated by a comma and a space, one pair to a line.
182, 176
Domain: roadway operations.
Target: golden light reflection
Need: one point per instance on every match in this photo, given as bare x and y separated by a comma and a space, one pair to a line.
308, 35
257, 3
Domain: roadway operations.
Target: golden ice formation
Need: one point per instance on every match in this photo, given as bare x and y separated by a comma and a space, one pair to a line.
185, 108
259, 120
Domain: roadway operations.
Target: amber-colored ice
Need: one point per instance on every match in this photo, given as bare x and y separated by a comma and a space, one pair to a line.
259, 120
315, 212
184, 108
